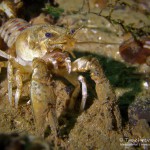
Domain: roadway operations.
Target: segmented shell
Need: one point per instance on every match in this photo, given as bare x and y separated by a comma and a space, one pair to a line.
11, 29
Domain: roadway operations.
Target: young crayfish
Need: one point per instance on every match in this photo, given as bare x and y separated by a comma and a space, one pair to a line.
44, 51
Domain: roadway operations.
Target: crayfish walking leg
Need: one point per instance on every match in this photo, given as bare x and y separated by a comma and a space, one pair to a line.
10, 80
104, 91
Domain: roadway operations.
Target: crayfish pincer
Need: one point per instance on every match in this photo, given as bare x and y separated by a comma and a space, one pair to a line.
43, 97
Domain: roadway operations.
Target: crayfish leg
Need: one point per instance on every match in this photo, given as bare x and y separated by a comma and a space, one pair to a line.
10, 80
73, 79
19, 87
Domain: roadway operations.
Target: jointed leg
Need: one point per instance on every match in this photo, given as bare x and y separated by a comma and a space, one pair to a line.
5, 55
9, 74
19, 87
10, 80
73, 79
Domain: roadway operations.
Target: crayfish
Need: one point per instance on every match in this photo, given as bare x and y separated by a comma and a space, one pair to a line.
43, 51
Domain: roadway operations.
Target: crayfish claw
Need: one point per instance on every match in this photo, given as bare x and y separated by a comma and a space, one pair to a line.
103, 89
43, 98
84, 92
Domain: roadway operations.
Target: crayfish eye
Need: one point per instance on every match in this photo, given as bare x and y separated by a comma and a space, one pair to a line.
48, 35
72, 31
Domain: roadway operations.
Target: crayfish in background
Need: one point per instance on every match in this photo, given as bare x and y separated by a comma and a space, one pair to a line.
135, 50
